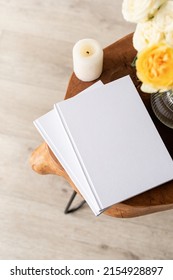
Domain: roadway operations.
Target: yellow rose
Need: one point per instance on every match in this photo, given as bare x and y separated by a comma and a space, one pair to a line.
154, 66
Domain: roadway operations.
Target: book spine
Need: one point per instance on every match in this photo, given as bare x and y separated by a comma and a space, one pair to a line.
59, 112
53, 148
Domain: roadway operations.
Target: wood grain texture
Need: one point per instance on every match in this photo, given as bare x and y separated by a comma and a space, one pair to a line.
117, 63
36, 40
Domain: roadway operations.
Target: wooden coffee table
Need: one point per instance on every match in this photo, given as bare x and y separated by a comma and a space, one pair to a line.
117, 63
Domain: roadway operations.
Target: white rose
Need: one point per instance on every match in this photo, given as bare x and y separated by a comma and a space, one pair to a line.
148, 88
146, 35
139, 11
163, 20
169, 38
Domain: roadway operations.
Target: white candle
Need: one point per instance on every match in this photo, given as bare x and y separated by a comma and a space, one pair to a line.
87, 60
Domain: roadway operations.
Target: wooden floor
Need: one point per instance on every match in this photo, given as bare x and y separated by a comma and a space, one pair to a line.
36, 41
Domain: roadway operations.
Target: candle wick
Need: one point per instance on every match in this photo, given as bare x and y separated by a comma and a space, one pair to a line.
87, 52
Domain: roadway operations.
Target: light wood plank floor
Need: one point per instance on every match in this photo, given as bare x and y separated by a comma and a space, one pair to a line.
36, 40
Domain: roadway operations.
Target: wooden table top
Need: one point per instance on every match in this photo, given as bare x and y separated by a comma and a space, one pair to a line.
117, 63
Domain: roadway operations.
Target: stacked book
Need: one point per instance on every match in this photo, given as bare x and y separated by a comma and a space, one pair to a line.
107, 143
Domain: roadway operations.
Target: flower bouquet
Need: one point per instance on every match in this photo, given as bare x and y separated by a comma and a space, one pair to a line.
153, 40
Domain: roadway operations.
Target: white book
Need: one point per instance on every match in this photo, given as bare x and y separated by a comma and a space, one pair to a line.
54, 134
117, 146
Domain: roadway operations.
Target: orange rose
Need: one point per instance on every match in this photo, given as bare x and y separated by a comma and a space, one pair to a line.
154, 66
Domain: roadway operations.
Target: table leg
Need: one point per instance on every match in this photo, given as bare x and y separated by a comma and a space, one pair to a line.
73, 209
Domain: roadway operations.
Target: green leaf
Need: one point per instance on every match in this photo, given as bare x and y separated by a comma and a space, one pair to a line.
133, 64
